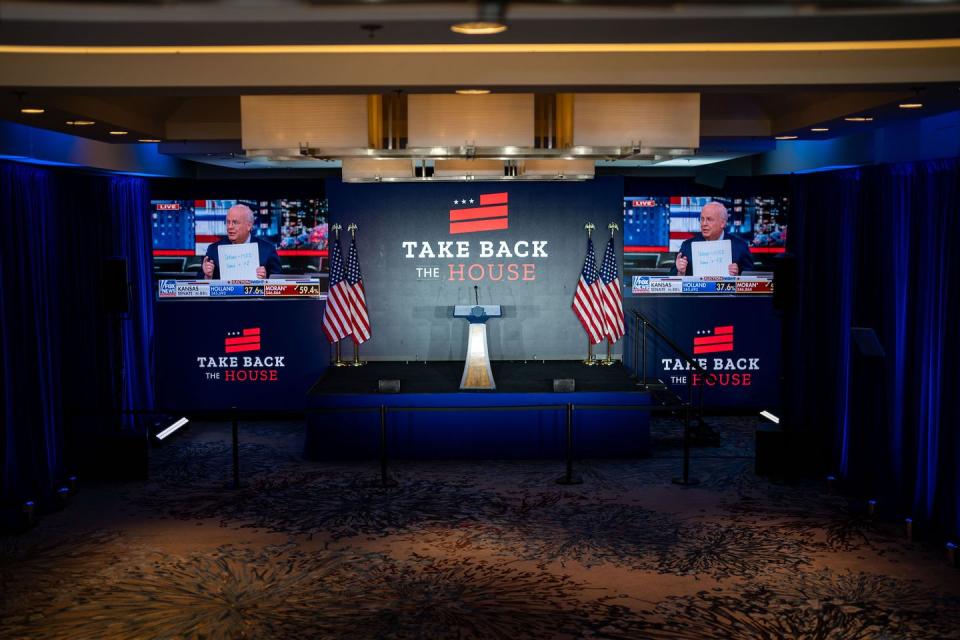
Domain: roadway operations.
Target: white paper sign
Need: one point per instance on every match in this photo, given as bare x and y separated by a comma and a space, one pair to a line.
711, 258
239, 261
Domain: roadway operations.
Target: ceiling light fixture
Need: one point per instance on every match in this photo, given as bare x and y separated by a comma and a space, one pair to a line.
478, 28
32, 110
859, 119
819, 129
785, 138
490, 20
473, 92
149, 140
80, 123
911, 105
119, 133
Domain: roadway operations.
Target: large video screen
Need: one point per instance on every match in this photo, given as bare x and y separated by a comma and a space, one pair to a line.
183, 229
656, 226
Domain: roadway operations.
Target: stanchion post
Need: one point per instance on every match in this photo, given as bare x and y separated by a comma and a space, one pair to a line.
569, 477
236, 450
385, 479
685, 479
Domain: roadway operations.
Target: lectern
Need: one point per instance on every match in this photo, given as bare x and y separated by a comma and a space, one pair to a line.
476, 371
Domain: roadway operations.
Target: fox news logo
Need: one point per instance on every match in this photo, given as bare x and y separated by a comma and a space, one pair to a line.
168, 288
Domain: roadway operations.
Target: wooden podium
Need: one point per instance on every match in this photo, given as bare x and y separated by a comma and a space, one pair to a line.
476, 371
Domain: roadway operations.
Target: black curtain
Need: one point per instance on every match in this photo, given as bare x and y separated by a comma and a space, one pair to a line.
59, 374
876, 248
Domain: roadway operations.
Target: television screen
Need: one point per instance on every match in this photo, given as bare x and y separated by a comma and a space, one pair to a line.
183, 229
656, 226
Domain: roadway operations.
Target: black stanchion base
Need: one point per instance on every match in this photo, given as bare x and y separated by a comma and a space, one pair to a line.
571, 479
689, 482
230, 486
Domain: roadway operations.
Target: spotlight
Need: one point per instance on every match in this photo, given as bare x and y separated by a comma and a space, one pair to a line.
769, 416
173, 427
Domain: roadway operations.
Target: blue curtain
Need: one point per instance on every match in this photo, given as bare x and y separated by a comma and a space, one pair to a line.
128, 206
29, 339
59, 353
875, 249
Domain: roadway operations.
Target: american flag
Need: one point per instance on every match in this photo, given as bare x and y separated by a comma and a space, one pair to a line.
586, 301
611, 295
336, 315
359, 320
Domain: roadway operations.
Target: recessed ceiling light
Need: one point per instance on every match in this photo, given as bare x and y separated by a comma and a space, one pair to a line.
80, 123
149, 140
911, 105
859, 119
32, 110
478, 28
473, 92
819, 129
119, 133
786, 138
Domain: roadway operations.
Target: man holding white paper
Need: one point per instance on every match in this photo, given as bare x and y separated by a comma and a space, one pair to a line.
713, 252
240, 256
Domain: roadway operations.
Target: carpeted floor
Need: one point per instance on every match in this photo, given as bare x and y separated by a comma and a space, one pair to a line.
466, 550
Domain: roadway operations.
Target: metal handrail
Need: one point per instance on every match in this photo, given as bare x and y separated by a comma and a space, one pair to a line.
640, 318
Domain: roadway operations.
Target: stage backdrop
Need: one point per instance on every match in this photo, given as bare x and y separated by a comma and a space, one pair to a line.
423, 248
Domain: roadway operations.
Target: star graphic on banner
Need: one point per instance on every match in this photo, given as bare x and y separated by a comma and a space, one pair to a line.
456, 202
471, 200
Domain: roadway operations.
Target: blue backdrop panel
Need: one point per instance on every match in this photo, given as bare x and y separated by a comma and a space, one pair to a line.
450, 425
423, 248
745, 368
195, 372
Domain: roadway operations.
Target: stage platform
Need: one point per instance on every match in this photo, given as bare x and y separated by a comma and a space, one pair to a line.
431, 418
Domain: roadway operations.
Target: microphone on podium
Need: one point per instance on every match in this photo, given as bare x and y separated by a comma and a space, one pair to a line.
476, 296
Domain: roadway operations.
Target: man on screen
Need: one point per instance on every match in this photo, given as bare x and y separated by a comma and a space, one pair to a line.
713, 221
239, 226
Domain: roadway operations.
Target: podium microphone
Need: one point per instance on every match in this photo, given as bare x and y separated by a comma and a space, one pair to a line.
476, 296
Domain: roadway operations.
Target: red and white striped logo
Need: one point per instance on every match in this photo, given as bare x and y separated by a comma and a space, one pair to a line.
246, 340
716, 340
490, 215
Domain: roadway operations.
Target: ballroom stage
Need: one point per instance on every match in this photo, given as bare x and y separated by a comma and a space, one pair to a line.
432, 418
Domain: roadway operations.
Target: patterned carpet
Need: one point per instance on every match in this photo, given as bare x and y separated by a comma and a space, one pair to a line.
466, 550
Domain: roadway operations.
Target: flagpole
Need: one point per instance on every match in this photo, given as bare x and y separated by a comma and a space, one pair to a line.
609, 359
337, 360
589, 361
357, 362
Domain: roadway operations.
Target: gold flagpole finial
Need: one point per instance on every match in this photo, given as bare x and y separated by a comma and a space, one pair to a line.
352, 228
589, 227
613, 226
336, 229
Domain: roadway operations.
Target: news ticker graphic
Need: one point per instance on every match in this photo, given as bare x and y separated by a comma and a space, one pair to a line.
205, 289
729, 285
